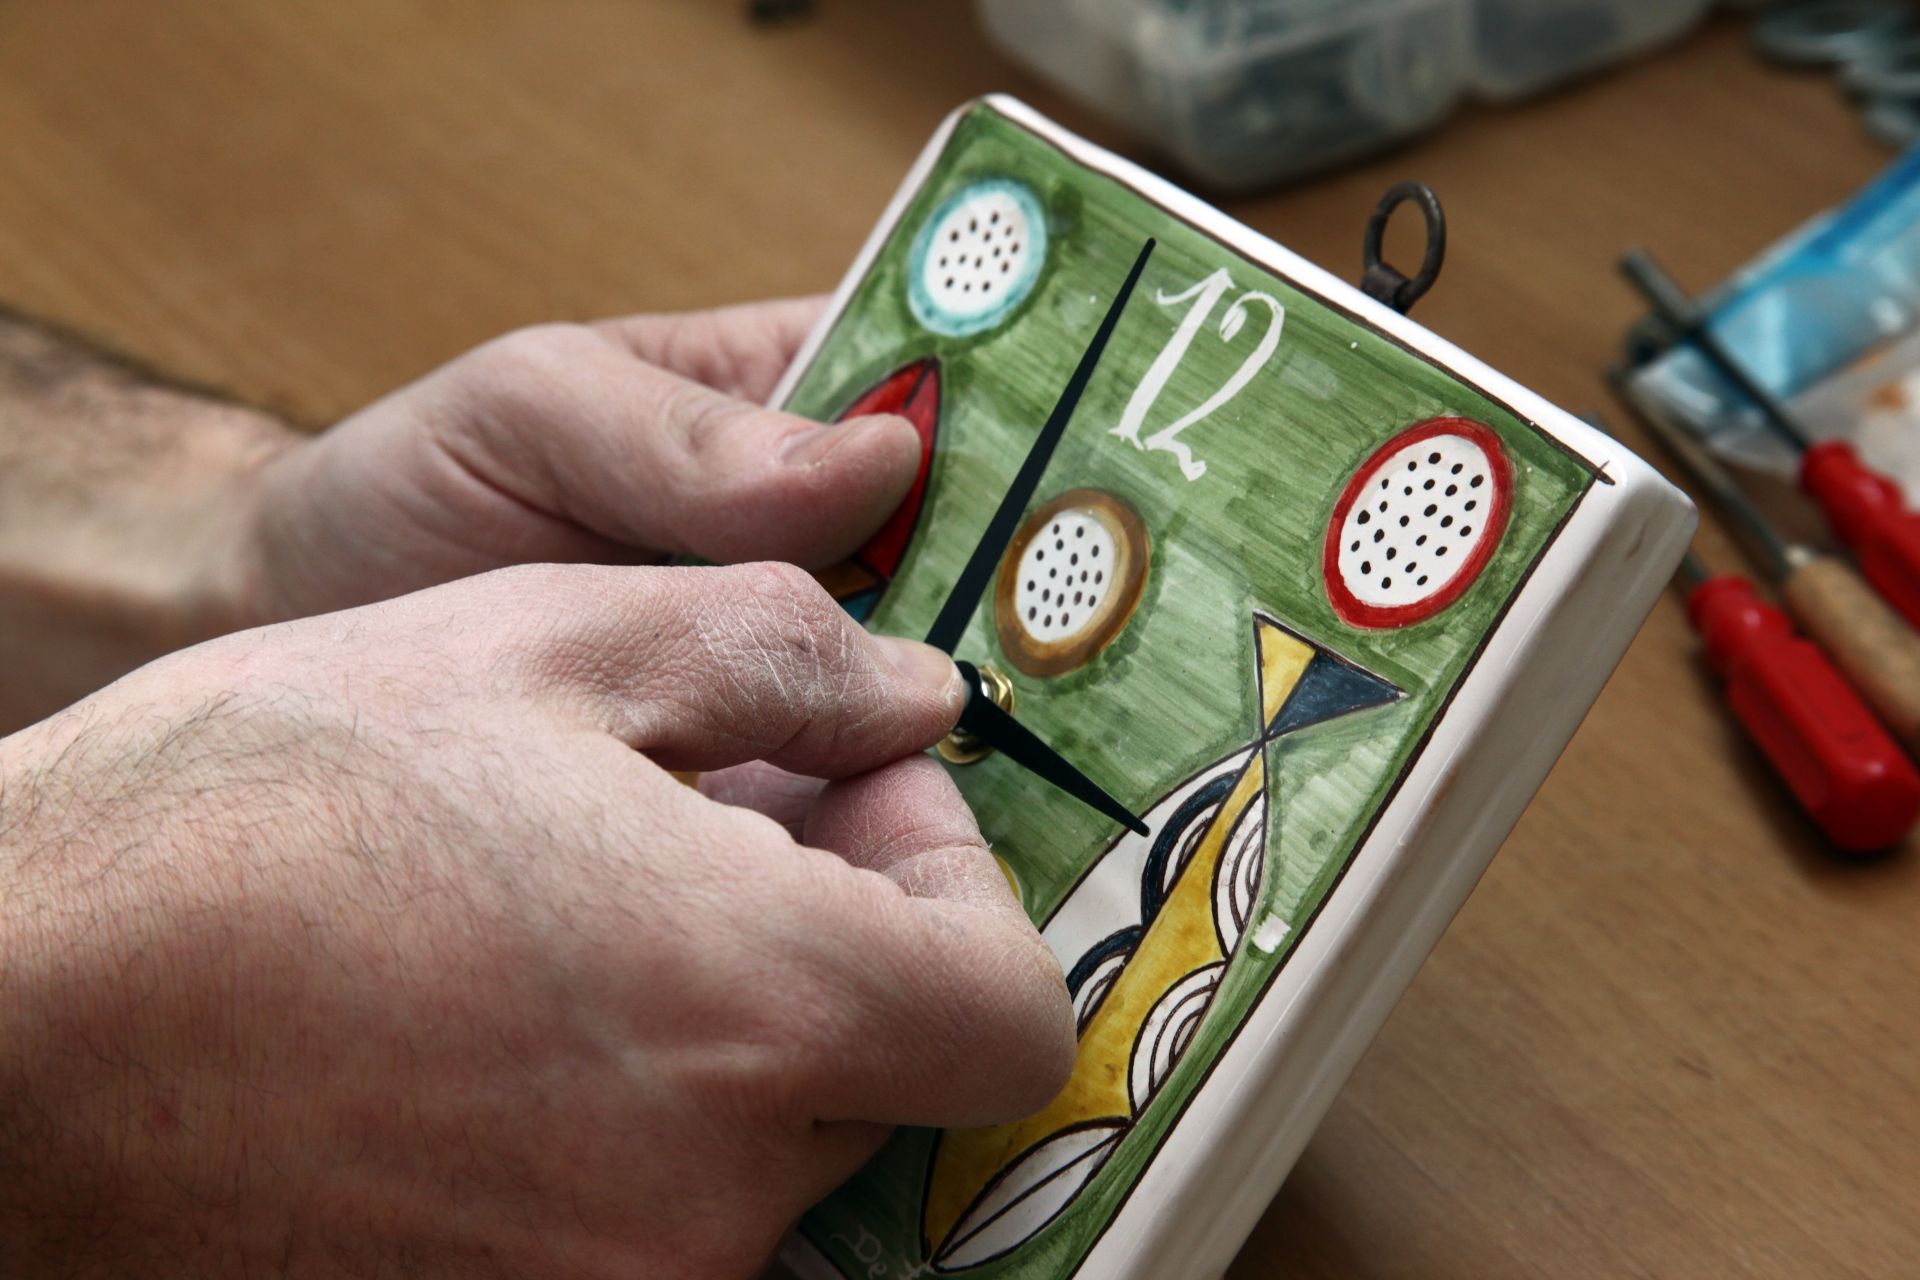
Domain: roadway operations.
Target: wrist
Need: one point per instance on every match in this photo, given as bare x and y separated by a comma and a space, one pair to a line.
124, 507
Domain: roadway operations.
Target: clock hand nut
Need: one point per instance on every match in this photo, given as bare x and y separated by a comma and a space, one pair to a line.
961, 747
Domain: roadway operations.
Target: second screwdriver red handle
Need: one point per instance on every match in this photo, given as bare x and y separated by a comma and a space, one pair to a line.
1845, 770
1867, 513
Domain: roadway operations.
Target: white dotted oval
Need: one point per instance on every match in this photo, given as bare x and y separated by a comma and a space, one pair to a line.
1419, 518
1065, 573
977, 258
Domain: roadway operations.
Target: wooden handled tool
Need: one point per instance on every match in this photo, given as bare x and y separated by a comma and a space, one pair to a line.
1876, 648
1871, 643
1864, 508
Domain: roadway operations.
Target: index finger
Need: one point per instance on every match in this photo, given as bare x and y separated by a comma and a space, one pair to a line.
741, 350
951, 1009
705, 668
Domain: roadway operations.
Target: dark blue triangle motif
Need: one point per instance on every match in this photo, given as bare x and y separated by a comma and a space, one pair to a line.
1330, 688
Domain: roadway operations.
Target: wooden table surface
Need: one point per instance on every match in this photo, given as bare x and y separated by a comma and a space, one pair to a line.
1667, 1037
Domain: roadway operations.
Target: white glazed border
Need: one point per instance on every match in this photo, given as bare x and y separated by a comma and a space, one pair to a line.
1514, 710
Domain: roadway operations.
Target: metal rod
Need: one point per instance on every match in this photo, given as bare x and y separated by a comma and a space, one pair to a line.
1691, 572
1684, 315
1762, 538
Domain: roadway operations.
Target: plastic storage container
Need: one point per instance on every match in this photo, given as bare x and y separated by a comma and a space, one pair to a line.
1245, 92
1524, 46
1231, 88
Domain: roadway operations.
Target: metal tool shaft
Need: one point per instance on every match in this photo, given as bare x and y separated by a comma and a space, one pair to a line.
1866, 639
1684, 315
1764, 541
1691, 573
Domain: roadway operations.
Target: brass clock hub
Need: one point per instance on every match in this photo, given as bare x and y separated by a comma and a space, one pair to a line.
960, 747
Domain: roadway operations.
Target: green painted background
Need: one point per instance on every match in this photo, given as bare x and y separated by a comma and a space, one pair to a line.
1177, 690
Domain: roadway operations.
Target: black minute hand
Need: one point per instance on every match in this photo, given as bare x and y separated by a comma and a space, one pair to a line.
958, 611
987, 722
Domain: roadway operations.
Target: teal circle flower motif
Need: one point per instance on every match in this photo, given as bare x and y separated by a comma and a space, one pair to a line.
977, 257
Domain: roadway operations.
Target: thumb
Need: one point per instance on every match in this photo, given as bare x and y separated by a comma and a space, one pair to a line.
578, 427
761, 485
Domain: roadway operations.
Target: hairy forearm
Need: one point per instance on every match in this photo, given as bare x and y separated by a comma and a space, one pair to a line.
101, 1119
37, 902
122, 503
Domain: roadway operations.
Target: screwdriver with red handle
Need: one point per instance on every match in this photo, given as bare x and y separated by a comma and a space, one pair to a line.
1868, 641
1863, 507
1842, 766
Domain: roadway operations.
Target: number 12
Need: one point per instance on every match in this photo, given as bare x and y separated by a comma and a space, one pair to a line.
1202, 296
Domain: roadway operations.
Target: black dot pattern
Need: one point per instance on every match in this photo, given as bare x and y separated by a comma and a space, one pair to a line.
976, 255
1409, 531
1062, 576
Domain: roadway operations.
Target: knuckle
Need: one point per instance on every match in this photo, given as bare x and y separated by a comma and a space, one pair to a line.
703, 462
541, 587
794, 621
703, 418
790, 597
778, 582
757, 653
524, 603
526, 367
535, 349
806, 638
552, 624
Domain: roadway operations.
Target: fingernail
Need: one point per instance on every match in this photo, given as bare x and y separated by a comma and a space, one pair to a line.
807, 448
925, 666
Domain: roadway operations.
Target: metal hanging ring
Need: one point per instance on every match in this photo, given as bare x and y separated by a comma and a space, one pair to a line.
1382, 282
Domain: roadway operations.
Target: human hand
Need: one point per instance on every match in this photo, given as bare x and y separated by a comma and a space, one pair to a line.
384, 942
622, 442
137, 518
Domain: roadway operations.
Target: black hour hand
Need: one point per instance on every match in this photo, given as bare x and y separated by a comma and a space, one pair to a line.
995, 728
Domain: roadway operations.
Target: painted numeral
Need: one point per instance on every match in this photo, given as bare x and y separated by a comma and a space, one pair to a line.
1200, 299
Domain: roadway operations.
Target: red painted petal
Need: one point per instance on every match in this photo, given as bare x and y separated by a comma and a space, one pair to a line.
913, 392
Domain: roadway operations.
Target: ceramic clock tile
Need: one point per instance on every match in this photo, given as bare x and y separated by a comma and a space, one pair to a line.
1269, 548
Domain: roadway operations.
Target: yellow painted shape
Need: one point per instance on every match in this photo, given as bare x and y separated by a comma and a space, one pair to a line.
1006, 869
1283, 660
1180, 939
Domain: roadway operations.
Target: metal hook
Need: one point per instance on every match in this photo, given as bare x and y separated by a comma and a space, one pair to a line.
1382, 282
